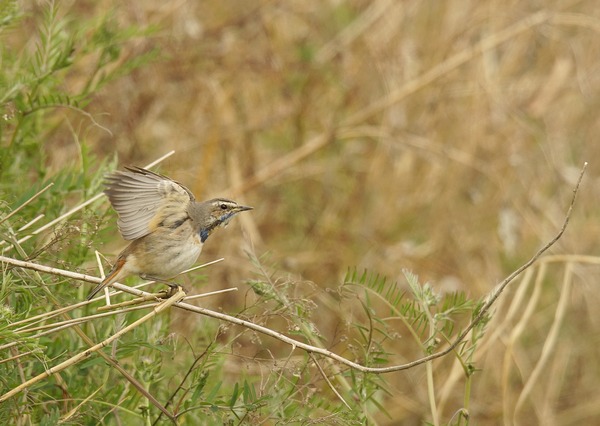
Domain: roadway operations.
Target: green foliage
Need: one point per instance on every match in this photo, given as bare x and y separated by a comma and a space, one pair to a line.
428, 316
35, 91
35, 79
9, 14
199, 388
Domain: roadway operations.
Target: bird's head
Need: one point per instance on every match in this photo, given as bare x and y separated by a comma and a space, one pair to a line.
212, 214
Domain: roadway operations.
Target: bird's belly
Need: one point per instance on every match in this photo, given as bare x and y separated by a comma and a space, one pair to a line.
167, 257
178, 259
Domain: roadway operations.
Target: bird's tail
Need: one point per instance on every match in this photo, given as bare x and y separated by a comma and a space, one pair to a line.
112, 277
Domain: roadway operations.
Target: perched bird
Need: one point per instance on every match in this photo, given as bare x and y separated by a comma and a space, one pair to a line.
165, 224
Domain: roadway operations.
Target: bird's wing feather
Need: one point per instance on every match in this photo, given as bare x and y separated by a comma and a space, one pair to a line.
145, 200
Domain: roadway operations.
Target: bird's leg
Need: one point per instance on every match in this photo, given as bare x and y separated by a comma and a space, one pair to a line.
173, 287
158, 280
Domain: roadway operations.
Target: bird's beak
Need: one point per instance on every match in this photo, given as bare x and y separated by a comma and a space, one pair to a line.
243, 208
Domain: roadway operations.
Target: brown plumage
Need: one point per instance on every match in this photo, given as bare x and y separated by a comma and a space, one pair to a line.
167, 227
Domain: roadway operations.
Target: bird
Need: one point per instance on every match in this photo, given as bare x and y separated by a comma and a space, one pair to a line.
167, 227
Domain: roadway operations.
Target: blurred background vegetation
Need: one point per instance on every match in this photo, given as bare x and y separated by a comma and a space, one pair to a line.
440, 137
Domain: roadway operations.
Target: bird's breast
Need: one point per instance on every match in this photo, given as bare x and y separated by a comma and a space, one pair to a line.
165, 253
184, 256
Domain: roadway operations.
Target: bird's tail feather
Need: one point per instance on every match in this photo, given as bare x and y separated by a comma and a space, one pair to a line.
112, 277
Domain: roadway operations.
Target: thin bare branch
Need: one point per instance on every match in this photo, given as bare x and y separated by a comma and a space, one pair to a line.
340, 397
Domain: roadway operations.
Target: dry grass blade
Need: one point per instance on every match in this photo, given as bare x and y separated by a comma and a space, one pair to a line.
359, 26
282, 164
551, 339
448, 65
88, 352
45, 316
33, 197
72, 412
12, 358
287, 161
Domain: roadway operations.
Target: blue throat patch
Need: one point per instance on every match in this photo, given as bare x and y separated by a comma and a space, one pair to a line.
204, 233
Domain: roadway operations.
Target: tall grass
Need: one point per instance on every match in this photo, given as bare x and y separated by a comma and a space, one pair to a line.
439, 137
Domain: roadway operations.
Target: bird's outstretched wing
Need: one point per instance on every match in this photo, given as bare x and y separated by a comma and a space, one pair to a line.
146, 200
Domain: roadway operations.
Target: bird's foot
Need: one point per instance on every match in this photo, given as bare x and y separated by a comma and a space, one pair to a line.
173, 287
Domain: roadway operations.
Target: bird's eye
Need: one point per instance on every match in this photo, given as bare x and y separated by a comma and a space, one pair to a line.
224, 206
